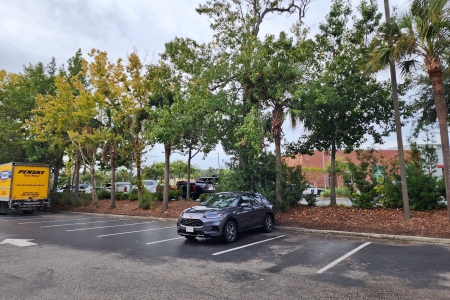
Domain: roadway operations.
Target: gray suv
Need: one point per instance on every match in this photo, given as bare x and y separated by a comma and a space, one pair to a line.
226, 214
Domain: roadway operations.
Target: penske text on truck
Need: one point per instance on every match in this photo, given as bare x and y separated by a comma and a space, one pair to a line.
24, 186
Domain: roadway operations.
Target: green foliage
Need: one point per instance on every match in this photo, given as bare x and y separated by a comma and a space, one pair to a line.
203, 197
258, 174
103, 194
422, 187
363, 193
121, 196
310, 199
133, 196
292, 187
173, 194
61, 199
147, 200
340, 192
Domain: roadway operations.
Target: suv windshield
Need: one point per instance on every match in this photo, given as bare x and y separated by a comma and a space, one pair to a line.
222, 200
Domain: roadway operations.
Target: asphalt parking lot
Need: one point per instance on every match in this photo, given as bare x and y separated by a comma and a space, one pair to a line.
74, 256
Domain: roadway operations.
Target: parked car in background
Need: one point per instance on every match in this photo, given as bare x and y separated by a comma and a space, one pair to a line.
225, 214
150, 185
313, 190
124, 187
194, 190
208, 183
107, 186
82, 188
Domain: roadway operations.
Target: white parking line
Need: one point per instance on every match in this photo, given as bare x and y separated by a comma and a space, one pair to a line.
59, 225
133, 231
77, 219
237, 248
81, 229
164, 241
342, 258
28, 218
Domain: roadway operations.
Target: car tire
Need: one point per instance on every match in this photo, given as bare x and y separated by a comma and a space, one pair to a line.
229, 232
268, 223
190, 237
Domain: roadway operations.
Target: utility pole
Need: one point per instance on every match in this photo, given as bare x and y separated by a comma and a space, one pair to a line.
218, 160
398, 125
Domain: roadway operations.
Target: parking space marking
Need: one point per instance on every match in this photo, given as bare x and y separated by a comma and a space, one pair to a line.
237, 248
342, 258
28, 218
77, 219
60, 225
177, 238
133, 231
121, 225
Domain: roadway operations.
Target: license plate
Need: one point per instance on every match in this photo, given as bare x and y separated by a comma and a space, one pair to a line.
189, 229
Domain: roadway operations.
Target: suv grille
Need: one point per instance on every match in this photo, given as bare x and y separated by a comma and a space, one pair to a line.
191, 222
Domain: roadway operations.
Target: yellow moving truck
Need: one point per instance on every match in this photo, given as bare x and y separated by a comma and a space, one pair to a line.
24, 186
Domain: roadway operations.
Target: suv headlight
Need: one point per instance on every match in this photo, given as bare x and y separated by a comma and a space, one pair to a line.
213, 216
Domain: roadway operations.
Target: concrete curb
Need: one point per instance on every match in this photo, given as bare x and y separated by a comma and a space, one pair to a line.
417, 239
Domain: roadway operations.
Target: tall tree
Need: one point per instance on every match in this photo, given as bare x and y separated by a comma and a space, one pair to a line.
165, 89
423, 31
198, 118
110, 83
236, 26
341, 104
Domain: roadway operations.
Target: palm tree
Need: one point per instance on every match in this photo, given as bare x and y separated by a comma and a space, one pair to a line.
422, 32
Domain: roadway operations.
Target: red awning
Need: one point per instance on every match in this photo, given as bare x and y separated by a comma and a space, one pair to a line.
440, 166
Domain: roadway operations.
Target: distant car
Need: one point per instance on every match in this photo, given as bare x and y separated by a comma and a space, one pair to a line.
225, 214
107, 186
208, 183
124, 187
150, 185
313, 190
194, 190
82, 188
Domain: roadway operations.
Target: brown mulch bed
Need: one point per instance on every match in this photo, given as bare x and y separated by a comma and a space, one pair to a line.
384, 221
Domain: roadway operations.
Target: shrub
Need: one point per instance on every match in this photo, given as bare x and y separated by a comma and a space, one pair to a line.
121, 196
133, 196
340, 192
147, 200
103, 194
310, 199
422, 188
364, 195
175, 194
61, 199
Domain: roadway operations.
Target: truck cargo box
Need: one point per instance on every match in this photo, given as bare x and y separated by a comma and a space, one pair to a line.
24, 186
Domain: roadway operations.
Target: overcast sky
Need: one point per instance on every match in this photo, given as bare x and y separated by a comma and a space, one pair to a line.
37, 30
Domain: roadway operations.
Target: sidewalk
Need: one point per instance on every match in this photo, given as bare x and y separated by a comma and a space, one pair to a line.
326, 201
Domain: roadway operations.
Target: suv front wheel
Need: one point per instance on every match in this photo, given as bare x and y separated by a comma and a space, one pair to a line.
229, 232
268, 224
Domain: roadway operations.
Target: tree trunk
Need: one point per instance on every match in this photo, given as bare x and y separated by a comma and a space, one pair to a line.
332, 175
138, 160
434, 69
76, 175
58, 165
93, 184
113, 179
167, 150
188, 183
277, 122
